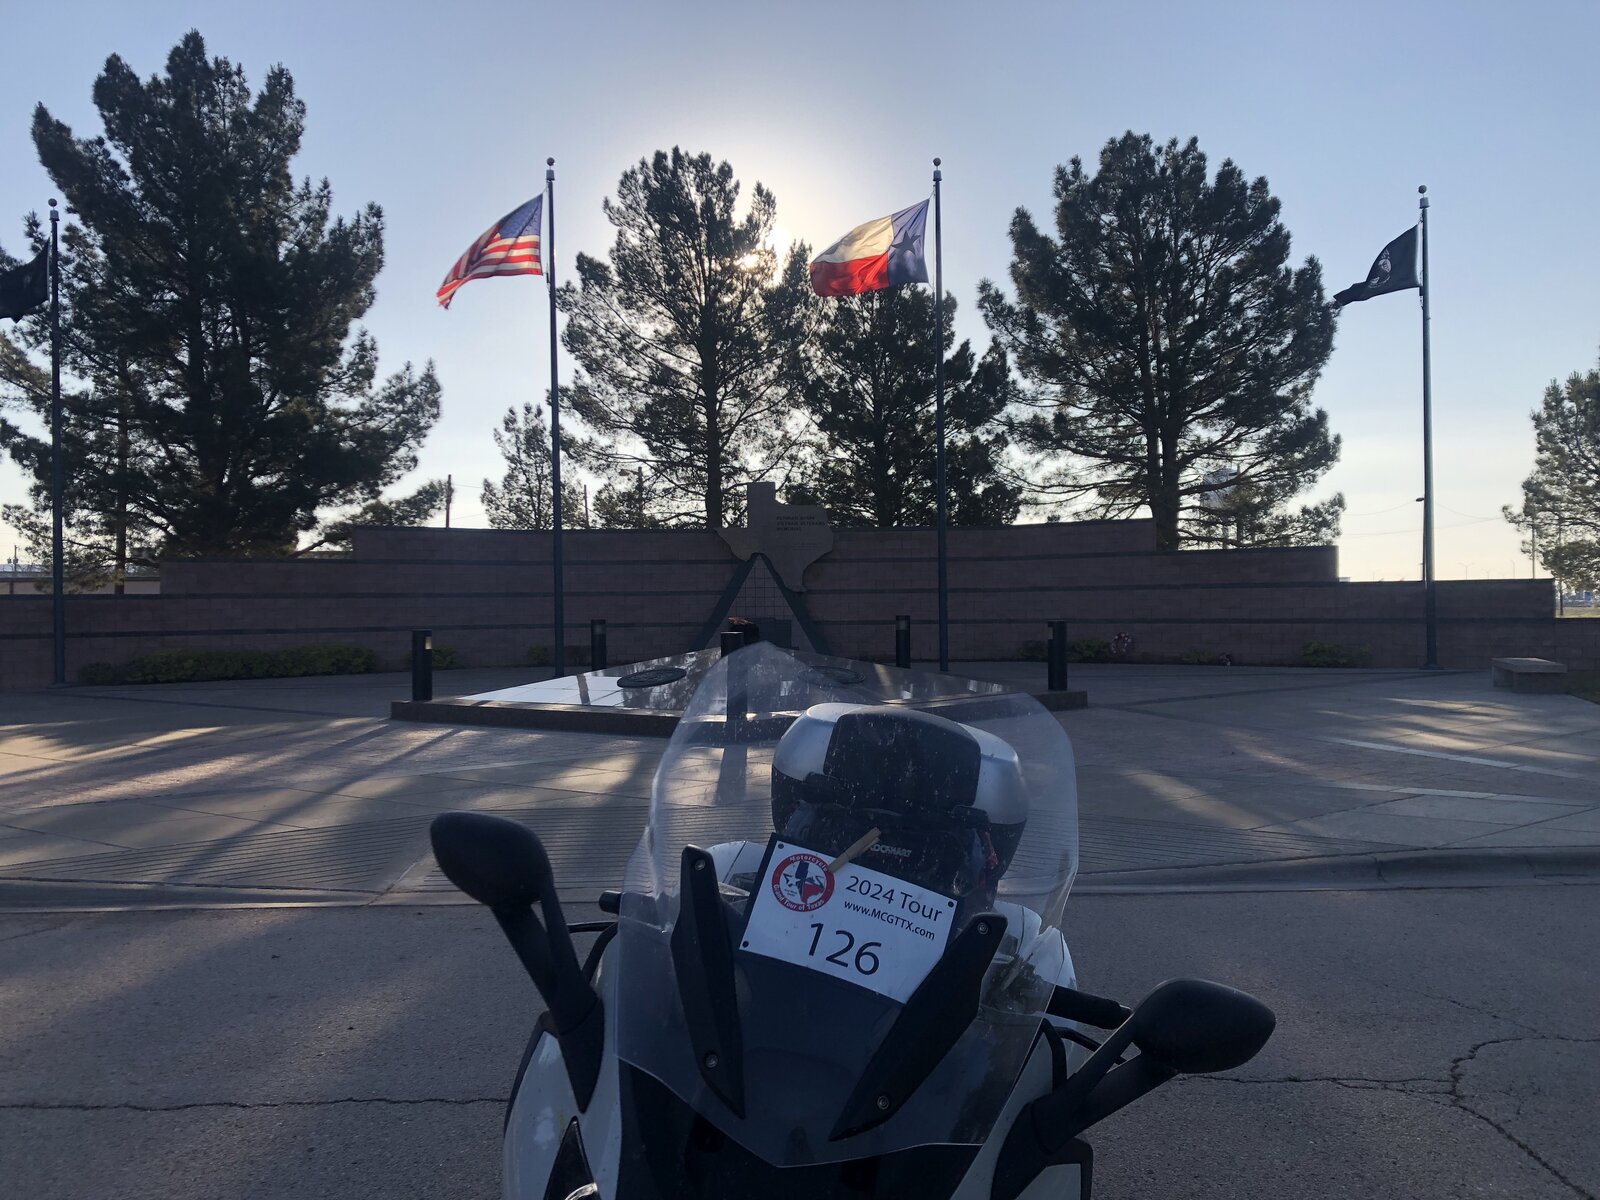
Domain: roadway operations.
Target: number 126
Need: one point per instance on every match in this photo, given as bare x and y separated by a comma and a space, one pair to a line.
866, 962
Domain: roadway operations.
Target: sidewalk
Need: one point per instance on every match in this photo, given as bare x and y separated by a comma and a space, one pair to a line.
300, 790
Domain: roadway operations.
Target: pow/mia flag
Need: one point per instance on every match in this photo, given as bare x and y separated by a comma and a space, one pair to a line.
1395, 270
25, 288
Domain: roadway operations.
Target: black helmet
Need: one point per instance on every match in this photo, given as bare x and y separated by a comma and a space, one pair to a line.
946, 798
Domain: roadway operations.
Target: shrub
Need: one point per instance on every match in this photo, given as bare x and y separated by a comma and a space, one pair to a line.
1081, 650
1196, 657
539, 656
194, 666
1332, 654
445, 658
331, 659
1088, 650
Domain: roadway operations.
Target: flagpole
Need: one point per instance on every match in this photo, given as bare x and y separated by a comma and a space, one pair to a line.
938, 419
58, 596
1430, 597
558, 650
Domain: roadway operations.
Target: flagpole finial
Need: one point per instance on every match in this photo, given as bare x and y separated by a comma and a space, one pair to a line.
937, 161
54, 216
1422, 189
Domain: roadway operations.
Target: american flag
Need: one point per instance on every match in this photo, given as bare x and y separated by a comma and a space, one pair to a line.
509, 247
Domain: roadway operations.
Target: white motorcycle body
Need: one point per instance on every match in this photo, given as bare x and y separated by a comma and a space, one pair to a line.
718, 1050
544, 1109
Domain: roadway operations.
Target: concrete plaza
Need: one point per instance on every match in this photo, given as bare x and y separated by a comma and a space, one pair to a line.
301, 790
279, 998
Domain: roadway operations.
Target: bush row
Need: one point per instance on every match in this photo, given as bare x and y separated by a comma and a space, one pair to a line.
1312, 654
193, 666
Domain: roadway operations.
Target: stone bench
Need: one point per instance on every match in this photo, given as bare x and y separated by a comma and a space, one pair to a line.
1529, 674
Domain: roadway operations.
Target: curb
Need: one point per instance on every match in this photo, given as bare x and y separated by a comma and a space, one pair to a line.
1419, 869
19, 896
1486, 867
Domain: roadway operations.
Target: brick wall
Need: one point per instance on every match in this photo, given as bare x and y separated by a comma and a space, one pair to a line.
487, 594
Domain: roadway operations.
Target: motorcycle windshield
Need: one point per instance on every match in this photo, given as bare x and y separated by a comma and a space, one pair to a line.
819, 980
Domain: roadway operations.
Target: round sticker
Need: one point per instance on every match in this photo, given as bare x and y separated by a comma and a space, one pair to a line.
802, 883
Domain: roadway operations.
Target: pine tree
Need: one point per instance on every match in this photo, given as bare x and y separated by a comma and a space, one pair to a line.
522, 500
1236, 515
675, 338
622, 505
866, 381
1560, 510
1165, 336
208, 307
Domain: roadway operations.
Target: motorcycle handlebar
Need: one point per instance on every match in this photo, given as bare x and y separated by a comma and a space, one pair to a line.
1087, 1009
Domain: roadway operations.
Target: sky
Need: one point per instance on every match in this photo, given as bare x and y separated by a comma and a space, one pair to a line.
444, 115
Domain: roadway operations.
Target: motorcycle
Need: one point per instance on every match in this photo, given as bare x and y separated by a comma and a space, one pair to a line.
836, 966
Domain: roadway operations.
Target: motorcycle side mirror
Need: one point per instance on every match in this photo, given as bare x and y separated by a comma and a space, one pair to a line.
1195, 1027
502, 864
499, 863
1184, 1027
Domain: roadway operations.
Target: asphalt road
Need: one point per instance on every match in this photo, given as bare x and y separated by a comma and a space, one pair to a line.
1430, 1044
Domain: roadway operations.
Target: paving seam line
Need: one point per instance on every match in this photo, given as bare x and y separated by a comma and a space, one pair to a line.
1393, 869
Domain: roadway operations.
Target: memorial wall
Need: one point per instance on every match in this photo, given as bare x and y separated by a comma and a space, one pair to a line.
486, 594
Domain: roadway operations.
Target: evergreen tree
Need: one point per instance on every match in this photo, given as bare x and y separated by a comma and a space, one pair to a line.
675, 338
1560, 510
420, 507
101, 539
623, 505
1235, 515
866, 381
208, 307
1166, 336
522, 499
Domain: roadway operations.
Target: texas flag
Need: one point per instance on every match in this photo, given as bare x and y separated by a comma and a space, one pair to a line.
882, 253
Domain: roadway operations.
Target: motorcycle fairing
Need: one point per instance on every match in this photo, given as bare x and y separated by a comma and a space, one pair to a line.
642, 1142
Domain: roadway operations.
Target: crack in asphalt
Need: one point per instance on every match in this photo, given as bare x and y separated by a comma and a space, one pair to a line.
1448, 1089
1472, 1008
48, 1106
11, 937
1458, 1066
1356, 1083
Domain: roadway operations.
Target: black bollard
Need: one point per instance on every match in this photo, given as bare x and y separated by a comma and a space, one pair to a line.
732, 639
422, 664
597, 645
1056, 658
902, 642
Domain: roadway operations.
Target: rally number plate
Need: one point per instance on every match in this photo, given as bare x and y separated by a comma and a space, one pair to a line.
862, 926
